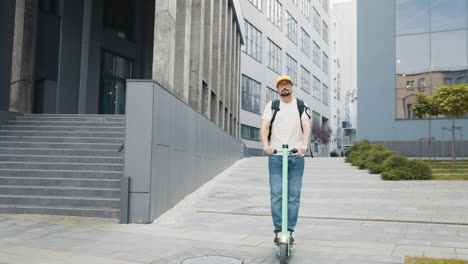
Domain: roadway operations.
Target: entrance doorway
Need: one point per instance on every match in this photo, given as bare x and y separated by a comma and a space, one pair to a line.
116, 70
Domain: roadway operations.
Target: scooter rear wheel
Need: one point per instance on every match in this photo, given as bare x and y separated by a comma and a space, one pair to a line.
283, 253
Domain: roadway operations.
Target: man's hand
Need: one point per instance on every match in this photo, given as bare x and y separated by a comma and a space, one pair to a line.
301, 152
268, 150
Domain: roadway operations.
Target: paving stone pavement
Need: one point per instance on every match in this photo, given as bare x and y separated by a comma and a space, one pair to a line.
347, 216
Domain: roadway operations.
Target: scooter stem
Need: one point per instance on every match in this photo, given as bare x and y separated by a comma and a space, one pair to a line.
284, 207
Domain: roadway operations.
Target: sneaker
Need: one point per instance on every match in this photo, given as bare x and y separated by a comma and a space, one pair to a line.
291, 238
276, 240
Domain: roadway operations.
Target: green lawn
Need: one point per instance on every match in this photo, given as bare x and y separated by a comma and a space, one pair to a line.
411, 260
442, 170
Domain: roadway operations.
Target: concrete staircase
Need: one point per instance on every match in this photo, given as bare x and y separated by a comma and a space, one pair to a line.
62, 165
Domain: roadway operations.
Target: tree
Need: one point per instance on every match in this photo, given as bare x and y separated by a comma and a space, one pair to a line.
452, 101
321, 133
422, 107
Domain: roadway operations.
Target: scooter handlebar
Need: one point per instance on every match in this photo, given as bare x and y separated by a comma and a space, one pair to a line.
293, 151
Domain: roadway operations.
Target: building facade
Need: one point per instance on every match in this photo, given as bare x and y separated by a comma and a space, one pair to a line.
344, 85
74, 57
284, 37
405, 48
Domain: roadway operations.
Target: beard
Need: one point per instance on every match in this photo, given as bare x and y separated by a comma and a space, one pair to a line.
285, 93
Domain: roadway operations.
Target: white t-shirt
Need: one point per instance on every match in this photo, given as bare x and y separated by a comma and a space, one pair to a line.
286, 128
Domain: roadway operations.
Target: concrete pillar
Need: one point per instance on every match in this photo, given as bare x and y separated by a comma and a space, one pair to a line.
238, 90
164, 42
223, 46
207, 60
197, 54
7, 26
68, 81
23, 58
215, 58
229, 47
90, 65
182, 49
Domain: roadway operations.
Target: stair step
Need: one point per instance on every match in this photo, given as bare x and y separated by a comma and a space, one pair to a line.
85, 134
60, 145
59, 210
42, 200
59, 152
60, 166
61, 159
72, 118
88, 123
62, 182
38, 139
64, 128
59, 191
61, 174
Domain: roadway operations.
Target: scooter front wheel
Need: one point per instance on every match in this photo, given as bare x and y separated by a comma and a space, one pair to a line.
283, 253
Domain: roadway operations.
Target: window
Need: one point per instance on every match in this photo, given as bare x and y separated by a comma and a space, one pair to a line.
274, 56
250, 95
325, 63
291, 68
291, 27
305, 47
257, 4
460, 80
409, 84
421, 83
250, 133
305, 8
305, 80
274, 12
316, 92
317, 21
253, 41
325, 32
315, 118
316, 54
271, 94
324, 94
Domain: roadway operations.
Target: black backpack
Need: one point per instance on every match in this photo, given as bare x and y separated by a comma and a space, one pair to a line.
301, 108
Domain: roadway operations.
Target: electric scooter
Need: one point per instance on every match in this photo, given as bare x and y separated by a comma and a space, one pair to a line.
284, 248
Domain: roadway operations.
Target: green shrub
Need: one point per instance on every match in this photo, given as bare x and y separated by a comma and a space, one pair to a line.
353, 153
413, 170
376, 158
396, 174
420, 169
395, 161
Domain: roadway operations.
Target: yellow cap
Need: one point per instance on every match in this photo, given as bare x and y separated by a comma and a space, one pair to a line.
283, 78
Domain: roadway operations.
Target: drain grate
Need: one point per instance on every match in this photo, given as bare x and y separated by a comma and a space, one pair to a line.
351, 219
212, 260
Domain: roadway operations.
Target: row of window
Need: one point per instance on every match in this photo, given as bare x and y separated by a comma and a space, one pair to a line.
275, 15
253, 47
251, 91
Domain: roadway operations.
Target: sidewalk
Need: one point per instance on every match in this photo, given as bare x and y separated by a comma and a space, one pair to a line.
347, 216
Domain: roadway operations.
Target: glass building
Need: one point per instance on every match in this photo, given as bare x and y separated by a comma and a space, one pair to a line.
406, 47
431, 48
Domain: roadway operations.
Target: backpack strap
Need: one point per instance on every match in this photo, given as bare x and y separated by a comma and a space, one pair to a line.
301, 108
275, 108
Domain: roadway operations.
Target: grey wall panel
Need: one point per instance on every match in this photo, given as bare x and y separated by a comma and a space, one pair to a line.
159, 180
138, 136
163, 112
139, 207
7, 25
187, 150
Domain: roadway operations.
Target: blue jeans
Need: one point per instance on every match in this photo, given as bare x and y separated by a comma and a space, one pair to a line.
295, 172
